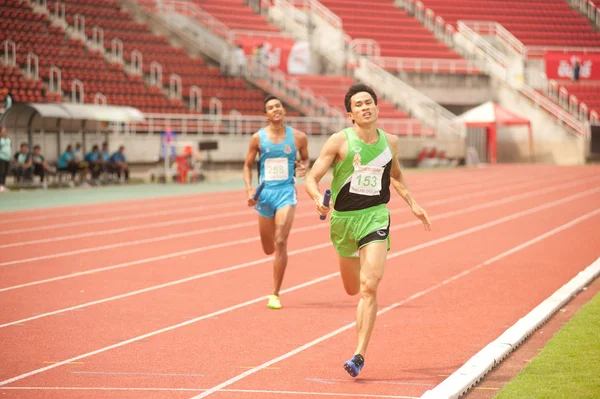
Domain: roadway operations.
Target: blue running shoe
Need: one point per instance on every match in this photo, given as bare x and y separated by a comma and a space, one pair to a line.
354, 366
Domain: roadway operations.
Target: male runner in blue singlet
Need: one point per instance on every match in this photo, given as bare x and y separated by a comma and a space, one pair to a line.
277, 145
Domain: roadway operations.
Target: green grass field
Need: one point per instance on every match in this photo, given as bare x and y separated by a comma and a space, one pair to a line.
569, 365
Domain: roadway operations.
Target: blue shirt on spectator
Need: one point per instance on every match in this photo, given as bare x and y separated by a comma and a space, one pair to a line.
92, 156
117, 157
105, 156
64, 159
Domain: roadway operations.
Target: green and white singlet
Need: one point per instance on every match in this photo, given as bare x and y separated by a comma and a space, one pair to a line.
362, 179
360, 191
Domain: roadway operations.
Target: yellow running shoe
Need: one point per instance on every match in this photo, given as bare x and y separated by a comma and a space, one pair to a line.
274, 302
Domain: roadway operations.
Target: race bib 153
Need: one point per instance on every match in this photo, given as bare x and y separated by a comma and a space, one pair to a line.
366, 180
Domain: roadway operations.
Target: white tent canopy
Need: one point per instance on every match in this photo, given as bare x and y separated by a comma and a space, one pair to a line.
490, 116
104, 113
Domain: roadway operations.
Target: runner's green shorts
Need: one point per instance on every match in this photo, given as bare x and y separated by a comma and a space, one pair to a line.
352, 230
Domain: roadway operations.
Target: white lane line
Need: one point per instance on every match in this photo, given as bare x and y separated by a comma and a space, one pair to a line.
175, 222
163, 330
165, 285
298, 230
397, 304
240, 213
99, 209
303, 285
250, 391
86, 222
50, 213
321, 225
190, 209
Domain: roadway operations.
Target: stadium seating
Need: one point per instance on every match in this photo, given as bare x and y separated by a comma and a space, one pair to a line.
236, 15
398, 34
534, 22
333, 89
588, 93
32, 32
21, 88
138, 36
15, 23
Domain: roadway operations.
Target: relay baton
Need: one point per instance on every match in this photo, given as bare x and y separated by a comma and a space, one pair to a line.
258, 190
326, 199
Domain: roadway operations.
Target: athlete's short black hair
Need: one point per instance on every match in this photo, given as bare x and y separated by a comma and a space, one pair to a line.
269, 98
357, 88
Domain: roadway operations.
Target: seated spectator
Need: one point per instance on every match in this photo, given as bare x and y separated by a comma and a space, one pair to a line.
22, 166
67, 163
40, 166
77, 153
78, 156
104, 158
94, 162
119, 164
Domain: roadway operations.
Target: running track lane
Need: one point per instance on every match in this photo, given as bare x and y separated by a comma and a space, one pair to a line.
93, 258
121, 225
203, 215
199, 212
94, 287
388, 276
108, 209
312, 381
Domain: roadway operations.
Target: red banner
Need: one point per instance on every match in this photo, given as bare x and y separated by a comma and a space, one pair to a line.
561, 65
289, 56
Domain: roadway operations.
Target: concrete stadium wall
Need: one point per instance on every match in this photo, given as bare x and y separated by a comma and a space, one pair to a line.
451, 90
142, 148
553, 142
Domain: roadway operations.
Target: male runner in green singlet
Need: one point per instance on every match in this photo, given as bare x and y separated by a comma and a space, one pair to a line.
365, 163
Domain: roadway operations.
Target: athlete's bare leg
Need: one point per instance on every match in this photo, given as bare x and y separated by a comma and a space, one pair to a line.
284, 218
266, 228
372, 266
350, 273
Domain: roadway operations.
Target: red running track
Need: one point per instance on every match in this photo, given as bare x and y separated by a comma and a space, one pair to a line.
174, 305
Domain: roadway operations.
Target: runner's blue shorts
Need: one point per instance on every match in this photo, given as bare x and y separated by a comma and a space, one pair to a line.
273, 199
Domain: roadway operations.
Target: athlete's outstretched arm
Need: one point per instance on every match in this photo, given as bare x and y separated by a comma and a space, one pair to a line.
253, 149
399, 184
327, 157
302, 146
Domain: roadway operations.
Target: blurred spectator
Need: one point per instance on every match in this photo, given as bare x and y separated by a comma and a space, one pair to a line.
260, 60
576, 71
5, 156
77, 153
67, 163
22, 166
119, 164
168, 142
94, 162
238, 61
40, 166
105, 159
